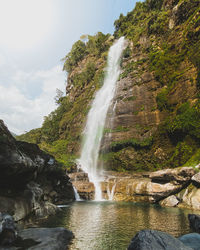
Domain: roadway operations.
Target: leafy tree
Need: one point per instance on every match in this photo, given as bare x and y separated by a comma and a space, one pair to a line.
76, 54
59, 96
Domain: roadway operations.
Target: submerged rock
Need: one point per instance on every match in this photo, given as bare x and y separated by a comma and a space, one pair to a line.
156, 240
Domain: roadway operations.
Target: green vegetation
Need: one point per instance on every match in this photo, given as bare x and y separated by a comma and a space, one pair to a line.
95, 46
118, 129
194, 160
183, 152
128, 70
130, 98
135, 143
164, 63
186, 121
76, 54
171, 54
161, 99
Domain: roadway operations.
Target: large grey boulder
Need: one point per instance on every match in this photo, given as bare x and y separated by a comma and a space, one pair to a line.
156, 240
7, 229
31, 180
194, 221
47, 238
191, 240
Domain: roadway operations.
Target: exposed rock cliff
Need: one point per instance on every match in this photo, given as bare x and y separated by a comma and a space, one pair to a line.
154, 119
31, 181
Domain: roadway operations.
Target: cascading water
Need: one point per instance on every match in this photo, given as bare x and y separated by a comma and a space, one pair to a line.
111, 193
76, 194
96, 118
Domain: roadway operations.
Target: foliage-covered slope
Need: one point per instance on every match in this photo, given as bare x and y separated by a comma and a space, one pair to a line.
156, 120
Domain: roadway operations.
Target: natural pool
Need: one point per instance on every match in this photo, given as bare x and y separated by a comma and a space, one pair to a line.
111, 225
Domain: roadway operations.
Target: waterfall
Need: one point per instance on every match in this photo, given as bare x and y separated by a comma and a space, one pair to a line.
96, 118
111, 193
77, 196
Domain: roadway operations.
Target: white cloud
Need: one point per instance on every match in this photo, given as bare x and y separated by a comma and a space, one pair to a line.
29, 97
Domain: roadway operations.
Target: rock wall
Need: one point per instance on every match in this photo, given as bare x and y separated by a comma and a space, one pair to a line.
31, 181
153, 120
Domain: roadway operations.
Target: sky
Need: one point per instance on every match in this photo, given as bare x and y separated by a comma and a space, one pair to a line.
34, 36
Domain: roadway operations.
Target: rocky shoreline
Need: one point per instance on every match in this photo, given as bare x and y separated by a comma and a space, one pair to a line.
169, 187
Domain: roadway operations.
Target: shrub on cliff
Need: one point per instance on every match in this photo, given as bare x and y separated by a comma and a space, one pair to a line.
77, 53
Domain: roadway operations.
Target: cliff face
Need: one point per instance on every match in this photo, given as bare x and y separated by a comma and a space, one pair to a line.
156, 105
154, 119
31, 181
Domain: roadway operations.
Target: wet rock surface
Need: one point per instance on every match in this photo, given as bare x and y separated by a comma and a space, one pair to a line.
156, 240
84, 187
169, 187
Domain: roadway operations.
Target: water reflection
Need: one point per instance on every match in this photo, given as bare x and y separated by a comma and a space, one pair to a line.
111, 225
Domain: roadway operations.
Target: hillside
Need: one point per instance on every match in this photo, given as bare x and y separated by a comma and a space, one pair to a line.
154, 121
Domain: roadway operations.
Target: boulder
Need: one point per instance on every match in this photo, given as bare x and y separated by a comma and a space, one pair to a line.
170, 201
7, 230
177, 175
46, 238
196, 179
194, 221
28, 178
156, 240
191, 197
191, 240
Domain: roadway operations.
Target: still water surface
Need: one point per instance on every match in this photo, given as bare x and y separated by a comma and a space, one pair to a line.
111, 225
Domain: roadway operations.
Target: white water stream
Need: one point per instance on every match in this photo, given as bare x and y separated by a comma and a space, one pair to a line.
96, 118
76, 194
111, 193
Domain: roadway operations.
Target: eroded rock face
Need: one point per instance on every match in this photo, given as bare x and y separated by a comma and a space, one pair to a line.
30, 180
191, 197
178, 175
139, 187
143, 190
84, 187
170, 201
